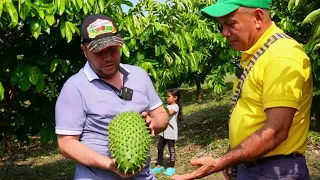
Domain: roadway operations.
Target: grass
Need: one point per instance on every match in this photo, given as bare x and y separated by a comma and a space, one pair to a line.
204, 132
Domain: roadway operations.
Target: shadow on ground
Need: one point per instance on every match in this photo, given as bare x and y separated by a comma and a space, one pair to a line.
204, 126
61, 169
188, 96
24, 151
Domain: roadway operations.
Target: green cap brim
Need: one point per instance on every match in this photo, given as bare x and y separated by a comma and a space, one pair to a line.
219, 10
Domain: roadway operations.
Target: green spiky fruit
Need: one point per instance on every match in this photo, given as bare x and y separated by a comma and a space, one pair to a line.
130, 141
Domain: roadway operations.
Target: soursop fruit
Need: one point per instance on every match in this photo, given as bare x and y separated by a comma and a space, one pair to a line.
130, 141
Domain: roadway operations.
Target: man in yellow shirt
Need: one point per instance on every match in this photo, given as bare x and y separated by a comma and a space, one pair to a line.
272, 97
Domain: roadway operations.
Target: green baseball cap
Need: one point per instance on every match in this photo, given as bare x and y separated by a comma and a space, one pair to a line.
224, 7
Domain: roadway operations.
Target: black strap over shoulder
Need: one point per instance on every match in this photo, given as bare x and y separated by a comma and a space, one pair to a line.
253, 60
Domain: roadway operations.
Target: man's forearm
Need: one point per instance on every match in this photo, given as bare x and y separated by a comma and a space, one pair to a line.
73, 149
162, 122
256, 145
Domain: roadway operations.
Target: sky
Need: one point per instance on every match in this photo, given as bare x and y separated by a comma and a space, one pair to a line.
134, 2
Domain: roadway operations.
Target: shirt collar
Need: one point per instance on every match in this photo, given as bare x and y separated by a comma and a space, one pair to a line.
91, 75
272, 30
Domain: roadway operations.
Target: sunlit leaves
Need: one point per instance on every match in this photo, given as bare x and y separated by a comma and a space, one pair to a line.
1, 92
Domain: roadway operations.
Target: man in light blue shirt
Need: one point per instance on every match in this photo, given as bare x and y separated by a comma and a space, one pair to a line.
90, 99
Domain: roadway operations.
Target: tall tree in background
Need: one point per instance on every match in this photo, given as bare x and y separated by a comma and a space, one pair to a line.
39, 42
176, 45
311, 21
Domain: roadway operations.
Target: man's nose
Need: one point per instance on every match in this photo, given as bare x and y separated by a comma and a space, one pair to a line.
225, 32
106, 55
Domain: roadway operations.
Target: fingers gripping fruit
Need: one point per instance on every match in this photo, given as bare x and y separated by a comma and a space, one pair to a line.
130, 141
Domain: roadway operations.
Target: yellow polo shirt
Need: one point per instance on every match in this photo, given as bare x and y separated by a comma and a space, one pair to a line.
280, 78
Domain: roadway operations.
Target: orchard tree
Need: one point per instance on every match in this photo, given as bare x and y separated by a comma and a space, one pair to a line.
39, 42
310, 13
176, 45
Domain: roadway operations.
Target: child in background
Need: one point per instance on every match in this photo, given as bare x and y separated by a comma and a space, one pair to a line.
170, 135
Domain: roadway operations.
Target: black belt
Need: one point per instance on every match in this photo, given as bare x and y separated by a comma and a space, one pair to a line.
264, 159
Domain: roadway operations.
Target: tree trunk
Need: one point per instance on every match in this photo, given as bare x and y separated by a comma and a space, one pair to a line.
7, 145
199, 92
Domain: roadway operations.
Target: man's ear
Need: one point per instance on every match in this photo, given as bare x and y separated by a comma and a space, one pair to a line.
258, 15
84, 49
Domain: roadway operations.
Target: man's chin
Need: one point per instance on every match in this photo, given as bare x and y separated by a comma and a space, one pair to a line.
238, 48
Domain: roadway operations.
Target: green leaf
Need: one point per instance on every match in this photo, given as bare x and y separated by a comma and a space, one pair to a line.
61, 4
145, 34
128, 3
68, 31
50, 19
177, 59
165, 30
37, 3
25, 9
49, 8
96, 8
157, 25
91, 2
33, 12
16, 74
75, 5
35, 28
312, 17
315, 33
77, 30
139, 56
63, 29
40, 84
1, 92
291, 3
315, 67
54, 65
151, 61
157, 50
45, 134
101, 5
133, 43
129, 30
24, 82
195, 61
163, 49
188, 41
71, 26
80, 3
299, 3
90, 8
125, 50
41, 14
168, 58
45, 26
121, 24
1, 7
33, 75
12, 13
85, 9
316, 47
64, 66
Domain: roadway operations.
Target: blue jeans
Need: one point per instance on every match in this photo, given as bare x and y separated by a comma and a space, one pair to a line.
277, 169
